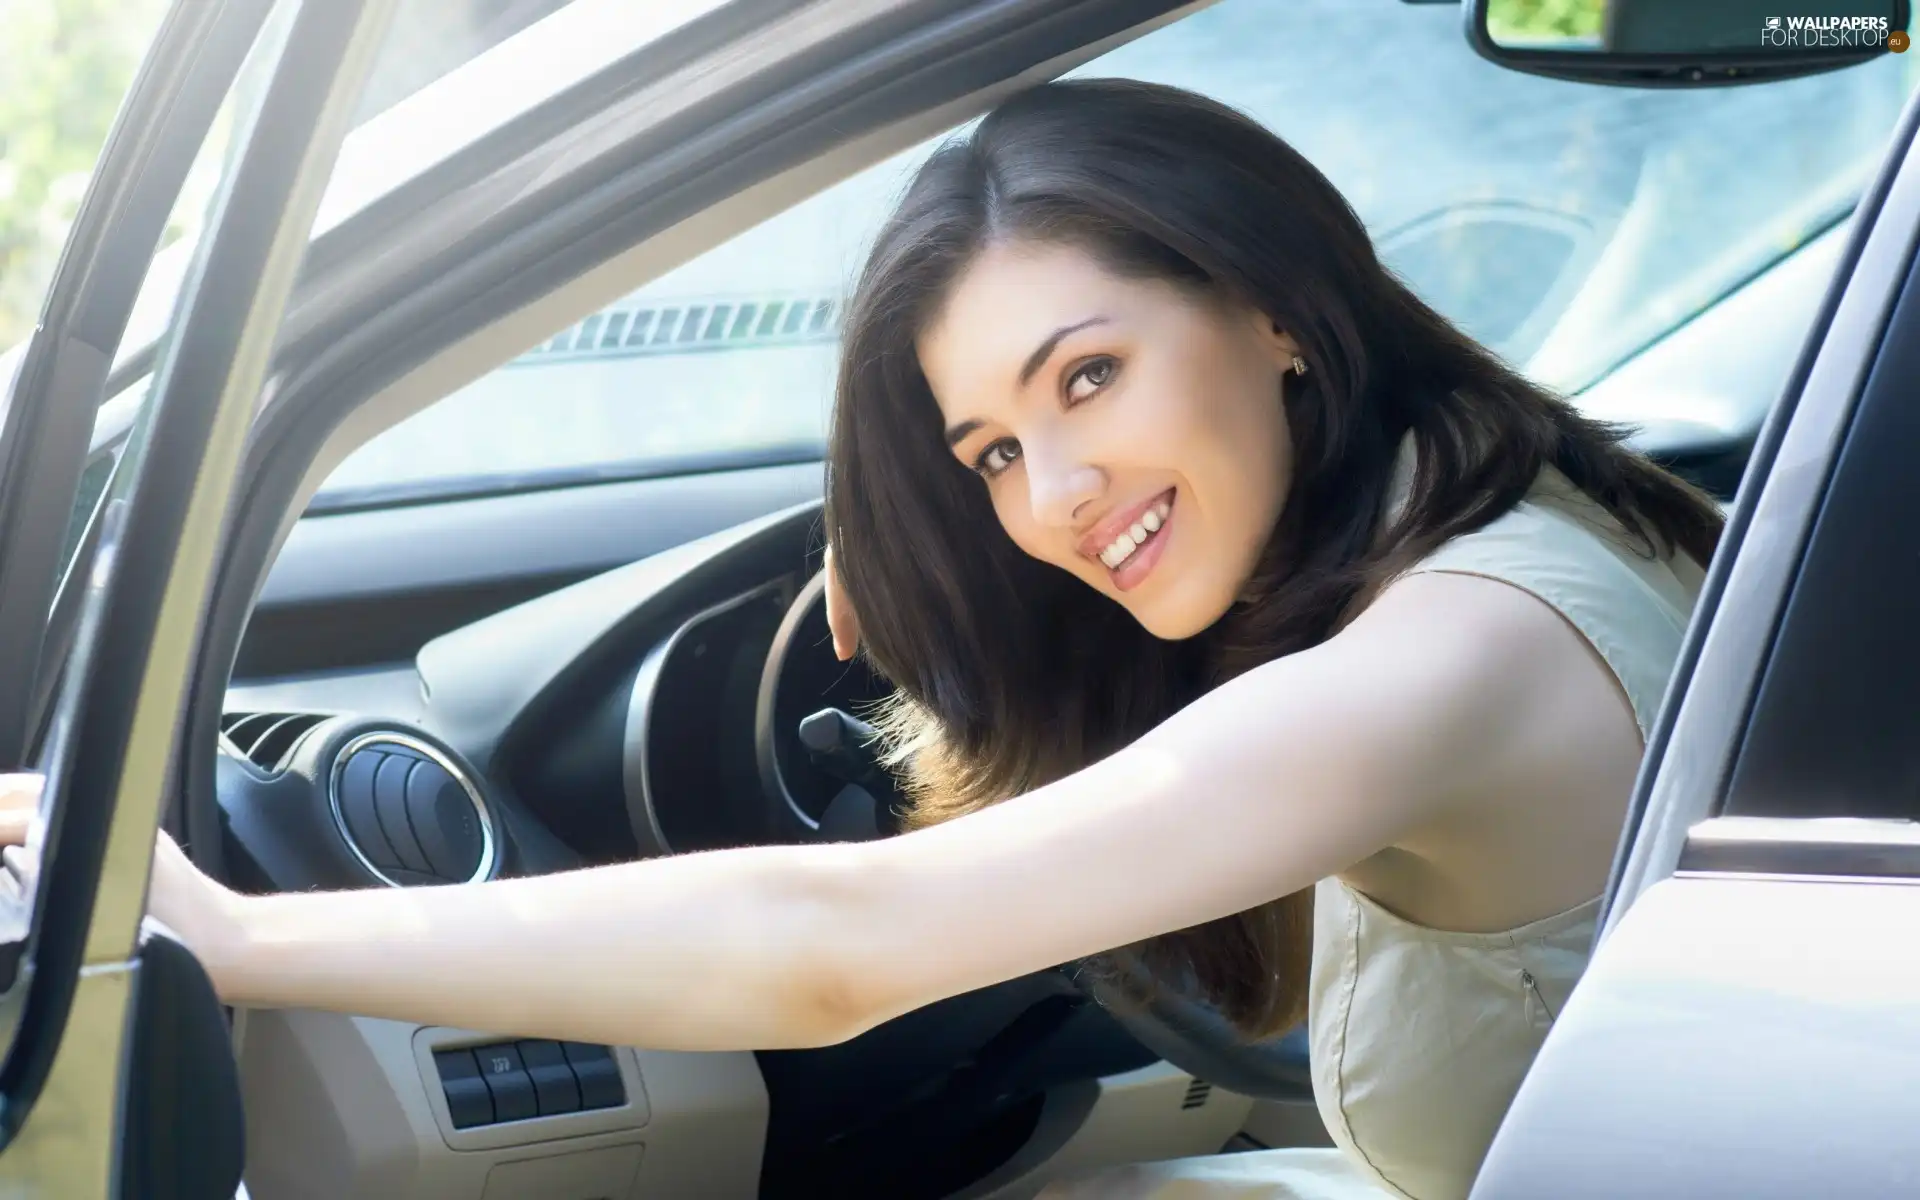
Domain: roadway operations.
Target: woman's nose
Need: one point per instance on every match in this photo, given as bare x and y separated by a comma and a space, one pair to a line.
1059, 483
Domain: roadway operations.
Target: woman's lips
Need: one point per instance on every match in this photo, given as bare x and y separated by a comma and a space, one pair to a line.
1095, 542
1138, 565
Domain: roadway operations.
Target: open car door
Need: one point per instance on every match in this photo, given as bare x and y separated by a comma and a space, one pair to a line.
118, 1078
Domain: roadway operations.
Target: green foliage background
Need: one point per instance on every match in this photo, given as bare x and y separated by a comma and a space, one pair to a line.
1526, 20
64, 65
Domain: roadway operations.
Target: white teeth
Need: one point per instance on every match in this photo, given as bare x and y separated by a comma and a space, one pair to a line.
1122, 547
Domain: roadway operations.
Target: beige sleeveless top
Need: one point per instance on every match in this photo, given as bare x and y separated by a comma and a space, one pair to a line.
1420, 1037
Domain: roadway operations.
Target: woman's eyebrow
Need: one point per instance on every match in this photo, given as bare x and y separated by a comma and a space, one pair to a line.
958, 433
1045, 349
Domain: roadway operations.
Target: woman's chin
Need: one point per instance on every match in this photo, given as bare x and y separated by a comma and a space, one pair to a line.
1179, 613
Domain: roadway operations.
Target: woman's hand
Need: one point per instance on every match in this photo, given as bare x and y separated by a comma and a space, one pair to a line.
203, 915
19, 801
840, 616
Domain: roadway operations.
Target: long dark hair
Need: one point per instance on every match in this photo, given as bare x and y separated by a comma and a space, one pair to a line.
1011, 673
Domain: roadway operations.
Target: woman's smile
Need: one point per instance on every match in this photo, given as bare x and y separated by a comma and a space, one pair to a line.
1130, 542
1093, 403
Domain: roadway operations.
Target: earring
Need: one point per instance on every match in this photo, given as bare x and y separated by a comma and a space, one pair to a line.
1299, 365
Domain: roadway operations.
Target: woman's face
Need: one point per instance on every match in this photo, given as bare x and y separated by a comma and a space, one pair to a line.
1129, 431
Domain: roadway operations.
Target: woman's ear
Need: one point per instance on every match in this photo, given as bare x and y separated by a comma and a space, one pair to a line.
1278, 342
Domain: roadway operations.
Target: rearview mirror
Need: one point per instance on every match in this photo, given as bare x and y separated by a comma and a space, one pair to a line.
1685, 43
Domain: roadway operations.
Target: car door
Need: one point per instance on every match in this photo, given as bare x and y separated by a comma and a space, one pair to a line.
1748, 1024
117, 1080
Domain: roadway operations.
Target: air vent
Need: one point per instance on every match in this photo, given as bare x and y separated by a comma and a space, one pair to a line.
409, 813
266, 739
726, 323
1197, 1093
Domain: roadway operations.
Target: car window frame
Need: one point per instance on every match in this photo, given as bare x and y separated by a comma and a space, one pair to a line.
1702, 735
63, 366
1849, 755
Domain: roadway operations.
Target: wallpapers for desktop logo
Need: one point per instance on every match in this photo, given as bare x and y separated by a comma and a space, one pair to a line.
1832, 33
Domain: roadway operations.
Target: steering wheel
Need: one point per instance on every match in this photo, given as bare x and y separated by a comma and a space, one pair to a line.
818, 765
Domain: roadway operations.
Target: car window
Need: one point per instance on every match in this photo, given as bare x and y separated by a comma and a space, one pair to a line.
429, 38
1567, 226
82, 58
65, 65
450, 72
62, 71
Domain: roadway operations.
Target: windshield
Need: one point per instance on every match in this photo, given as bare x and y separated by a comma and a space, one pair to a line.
1565, 225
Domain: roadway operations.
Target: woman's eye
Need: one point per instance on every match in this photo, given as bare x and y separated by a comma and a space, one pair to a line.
997, 457
1089, 378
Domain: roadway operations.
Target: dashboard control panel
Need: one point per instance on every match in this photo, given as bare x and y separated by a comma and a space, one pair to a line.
518, 1081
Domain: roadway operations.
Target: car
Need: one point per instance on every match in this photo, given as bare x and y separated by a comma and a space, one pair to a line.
446, 508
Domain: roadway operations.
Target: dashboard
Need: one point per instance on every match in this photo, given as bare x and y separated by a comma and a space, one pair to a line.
683, 702
651, 710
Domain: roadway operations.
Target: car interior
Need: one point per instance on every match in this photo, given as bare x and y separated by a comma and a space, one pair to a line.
532, 581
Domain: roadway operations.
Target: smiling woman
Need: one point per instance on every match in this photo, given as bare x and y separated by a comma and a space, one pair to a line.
1100, 343
1168, 369
1127, 374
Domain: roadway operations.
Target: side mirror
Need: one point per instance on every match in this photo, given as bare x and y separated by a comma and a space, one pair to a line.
1684, 43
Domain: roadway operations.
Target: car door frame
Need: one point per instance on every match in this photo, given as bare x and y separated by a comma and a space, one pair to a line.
197, 52
115, 728
162, 534
1692, 753
169, 109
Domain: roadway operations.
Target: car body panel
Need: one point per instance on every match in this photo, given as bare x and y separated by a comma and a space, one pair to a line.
1746, 1037
71, 995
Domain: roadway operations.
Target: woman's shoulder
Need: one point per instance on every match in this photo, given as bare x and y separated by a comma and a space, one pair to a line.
1559, 531
1631, 600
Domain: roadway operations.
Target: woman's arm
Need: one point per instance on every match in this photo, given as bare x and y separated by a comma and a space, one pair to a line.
1448, 700
1447, 688
725, 950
